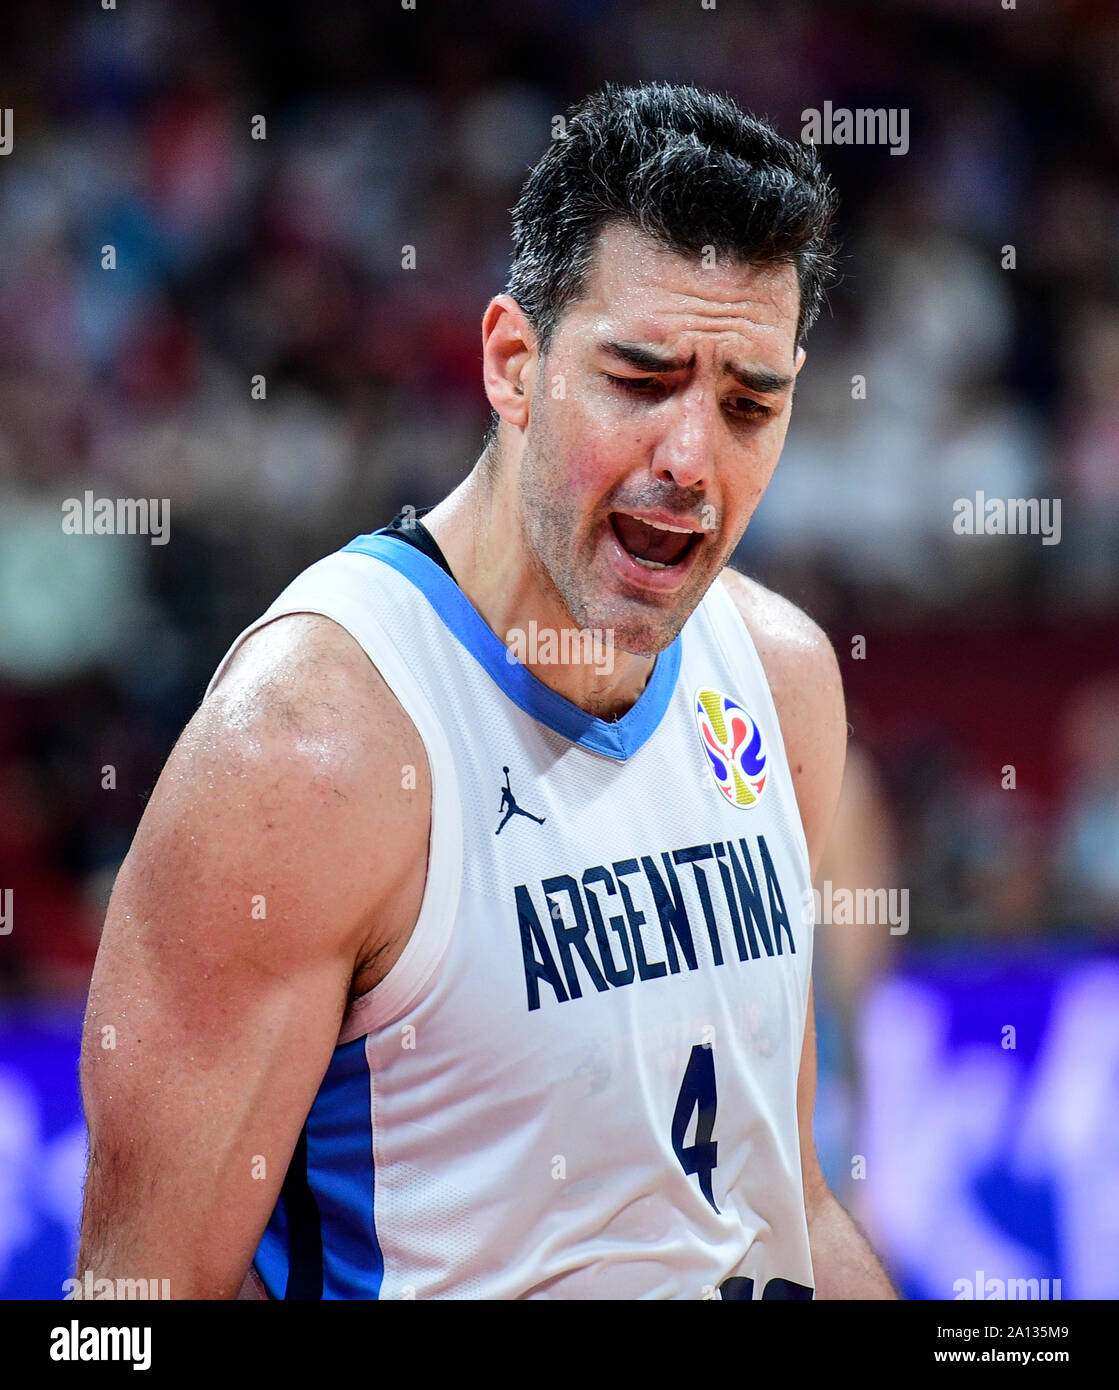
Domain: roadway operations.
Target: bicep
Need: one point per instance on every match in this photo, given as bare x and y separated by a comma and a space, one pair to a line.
215, 1004
195, 1080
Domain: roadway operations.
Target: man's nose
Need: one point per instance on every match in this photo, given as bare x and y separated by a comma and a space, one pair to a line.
684, 452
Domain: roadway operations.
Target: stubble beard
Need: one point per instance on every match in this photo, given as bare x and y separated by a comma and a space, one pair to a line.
548, 524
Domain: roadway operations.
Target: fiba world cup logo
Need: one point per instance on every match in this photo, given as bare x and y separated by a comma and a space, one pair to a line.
733, 745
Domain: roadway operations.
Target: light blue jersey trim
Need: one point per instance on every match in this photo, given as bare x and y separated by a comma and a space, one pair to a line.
619, 740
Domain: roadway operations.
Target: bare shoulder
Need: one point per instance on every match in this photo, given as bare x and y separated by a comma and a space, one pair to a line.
303, 680
286, 663
803, 675
793, 647
290, 773
301, 700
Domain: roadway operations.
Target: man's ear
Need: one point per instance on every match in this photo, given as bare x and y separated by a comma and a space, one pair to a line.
798, 361
508, 359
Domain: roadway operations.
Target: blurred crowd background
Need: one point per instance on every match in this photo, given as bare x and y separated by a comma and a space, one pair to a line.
979, 303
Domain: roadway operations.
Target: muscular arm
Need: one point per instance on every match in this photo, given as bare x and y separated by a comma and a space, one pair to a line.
249, 895
807, 689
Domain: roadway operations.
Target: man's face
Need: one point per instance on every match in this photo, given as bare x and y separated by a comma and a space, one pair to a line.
665, 394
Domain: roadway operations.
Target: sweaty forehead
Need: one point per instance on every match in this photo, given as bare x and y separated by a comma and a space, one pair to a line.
640, 290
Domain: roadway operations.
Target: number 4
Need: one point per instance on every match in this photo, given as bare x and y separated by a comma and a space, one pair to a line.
697, 1091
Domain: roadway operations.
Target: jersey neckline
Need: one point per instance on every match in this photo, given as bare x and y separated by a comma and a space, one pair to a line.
618, 739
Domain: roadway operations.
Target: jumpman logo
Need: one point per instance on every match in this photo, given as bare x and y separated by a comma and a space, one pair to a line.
508, 799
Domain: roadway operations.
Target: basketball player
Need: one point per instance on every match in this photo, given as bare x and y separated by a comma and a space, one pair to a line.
440, 974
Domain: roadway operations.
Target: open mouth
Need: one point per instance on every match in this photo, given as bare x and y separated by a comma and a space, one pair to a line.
653, 546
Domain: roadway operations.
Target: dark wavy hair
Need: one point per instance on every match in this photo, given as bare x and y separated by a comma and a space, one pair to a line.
689, 168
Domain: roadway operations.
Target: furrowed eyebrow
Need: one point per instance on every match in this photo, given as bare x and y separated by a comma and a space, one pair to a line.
760, 379
644, 359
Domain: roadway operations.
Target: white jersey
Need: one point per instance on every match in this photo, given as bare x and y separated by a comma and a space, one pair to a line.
579, 1079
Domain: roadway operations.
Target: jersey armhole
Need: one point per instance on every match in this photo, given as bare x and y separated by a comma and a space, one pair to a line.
721, 629
431, 934
730, 614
